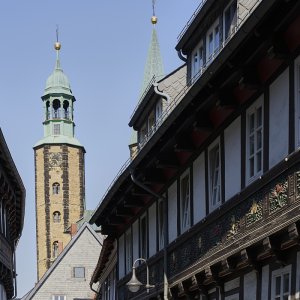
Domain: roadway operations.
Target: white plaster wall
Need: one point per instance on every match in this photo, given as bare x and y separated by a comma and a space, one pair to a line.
250, 286
84, 253
152, 229
232, 141
279, 119
199, 188
135, 237
121, 254
265, 282
232, 284
172, 211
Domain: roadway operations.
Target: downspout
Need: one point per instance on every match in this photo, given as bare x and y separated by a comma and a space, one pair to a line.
141, 185
14, 274
164, 95
180, 55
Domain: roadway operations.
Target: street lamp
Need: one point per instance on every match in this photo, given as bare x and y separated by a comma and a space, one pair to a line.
134, 284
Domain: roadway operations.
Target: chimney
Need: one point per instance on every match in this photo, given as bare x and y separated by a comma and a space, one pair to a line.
73, 229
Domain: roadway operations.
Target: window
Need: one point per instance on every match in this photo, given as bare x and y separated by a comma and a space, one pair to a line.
197, 59
56, 109
79, 272
254, 140
213, 41
55, 249
161, 224
56, 129
143, 237
230, 19
128, 251
214, 177
55, 188
281, 283
185, 202
143, 134
151, 123
56, 217
58, 297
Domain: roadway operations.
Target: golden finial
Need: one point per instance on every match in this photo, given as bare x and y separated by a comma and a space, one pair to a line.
57, 44
153, 18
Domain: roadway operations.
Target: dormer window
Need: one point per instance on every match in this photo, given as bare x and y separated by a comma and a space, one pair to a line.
158, 111
230, 19
212, 41
197, 59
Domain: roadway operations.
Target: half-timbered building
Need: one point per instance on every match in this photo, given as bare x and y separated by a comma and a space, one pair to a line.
211, 195
12, 208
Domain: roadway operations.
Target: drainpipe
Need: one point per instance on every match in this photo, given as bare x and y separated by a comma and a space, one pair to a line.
141, 185
164, 95
14, 274
180, 55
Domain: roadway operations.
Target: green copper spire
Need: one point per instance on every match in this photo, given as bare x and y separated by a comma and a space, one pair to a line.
153, 67
154, 64
58, 108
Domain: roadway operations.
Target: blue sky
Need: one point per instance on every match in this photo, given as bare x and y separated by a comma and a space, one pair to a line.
104, 49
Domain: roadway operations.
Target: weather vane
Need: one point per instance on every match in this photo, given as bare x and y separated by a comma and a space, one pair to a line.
57, 44
153, 18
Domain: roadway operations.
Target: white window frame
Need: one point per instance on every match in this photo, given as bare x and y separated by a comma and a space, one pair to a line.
196, 66
128, 251
233, 25
214, 175
185, 201
297, 295
252, 158
280, 273
297, 102
161, 223
144, 237
215, 38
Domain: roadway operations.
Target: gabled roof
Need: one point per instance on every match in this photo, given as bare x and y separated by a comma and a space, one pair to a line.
65, 251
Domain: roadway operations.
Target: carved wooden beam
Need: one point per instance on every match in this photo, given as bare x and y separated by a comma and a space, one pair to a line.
292, 237
226, 268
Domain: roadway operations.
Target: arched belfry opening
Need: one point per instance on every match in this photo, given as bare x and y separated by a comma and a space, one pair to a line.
47, 110
56, 109
66, 110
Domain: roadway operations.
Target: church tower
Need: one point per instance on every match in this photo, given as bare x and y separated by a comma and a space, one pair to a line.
59, 170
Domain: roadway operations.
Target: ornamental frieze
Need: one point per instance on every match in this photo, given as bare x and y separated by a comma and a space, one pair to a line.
237, 222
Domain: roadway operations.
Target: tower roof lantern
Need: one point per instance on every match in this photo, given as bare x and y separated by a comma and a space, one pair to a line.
58, 82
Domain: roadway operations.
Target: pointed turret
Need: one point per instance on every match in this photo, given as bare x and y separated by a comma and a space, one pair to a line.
154, 63
153, 67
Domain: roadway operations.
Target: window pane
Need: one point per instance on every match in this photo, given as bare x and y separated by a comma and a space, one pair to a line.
259, 140
251, 123
258, 160
210, 44
277, 285
251, 166
217, 38
286, 283
259, 116
251, 145
79, 272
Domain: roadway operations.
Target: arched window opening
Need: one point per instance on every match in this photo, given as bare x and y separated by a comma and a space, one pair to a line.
66, 112
47, 110
56, 109
55, 249
56, 217
55, 188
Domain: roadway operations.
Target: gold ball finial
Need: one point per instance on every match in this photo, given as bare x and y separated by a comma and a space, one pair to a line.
57, 46
153, 20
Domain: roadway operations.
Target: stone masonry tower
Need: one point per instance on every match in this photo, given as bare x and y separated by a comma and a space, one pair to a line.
59, 171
